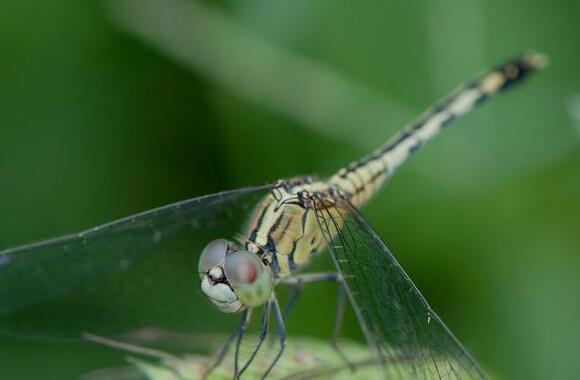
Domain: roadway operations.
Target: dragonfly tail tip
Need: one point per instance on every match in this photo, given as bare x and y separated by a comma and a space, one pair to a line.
535, 60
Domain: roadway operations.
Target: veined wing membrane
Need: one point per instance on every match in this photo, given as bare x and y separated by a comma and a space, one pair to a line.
136, 272
408, 338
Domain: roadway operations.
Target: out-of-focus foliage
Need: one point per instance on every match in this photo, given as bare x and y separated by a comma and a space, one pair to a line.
303, 359
98, 121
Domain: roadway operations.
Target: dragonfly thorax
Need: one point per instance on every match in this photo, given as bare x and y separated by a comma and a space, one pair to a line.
283, 229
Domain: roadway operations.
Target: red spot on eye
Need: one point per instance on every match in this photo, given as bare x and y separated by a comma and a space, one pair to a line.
247, 273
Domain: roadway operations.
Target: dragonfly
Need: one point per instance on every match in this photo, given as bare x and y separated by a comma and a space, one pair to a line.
276, 230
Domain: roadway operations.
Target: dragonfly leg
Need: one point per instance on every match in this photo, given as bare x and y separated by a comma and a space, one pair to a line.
311, 277
296, 292
241, 331
299, 280
262, 335
243, 323
341, 302
281, 330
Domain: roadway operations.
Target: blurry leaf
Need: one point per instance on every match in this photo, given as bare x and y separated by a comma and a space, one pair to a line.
205, 40
303, 359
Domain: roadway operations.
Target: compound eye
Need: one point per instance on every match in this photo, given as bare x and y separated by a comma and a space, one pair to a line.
212, 255
243, 268
249, 278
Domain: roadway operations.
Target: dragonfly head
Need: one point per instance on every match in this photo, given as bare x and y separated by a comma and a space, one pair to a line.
233, 279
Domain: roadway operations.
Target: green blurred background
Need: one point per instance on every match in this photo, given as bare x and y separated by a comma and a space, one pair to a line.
108, 109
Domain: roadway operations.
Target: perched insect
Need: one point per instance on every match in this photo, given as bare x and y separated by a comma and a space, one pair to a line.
290, 222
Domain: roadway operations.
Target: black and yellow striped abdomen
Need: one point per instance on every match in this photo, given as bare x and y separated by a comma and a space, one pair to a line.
363, 178
284, 229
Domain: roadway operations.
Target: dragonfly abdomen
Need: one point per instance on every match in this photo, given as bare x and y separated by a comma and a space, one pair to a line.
283, 229
363, 178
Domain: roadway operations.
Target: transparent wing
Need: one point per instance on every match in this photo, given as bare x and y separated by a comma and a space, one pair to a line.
135, 272
410, 340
